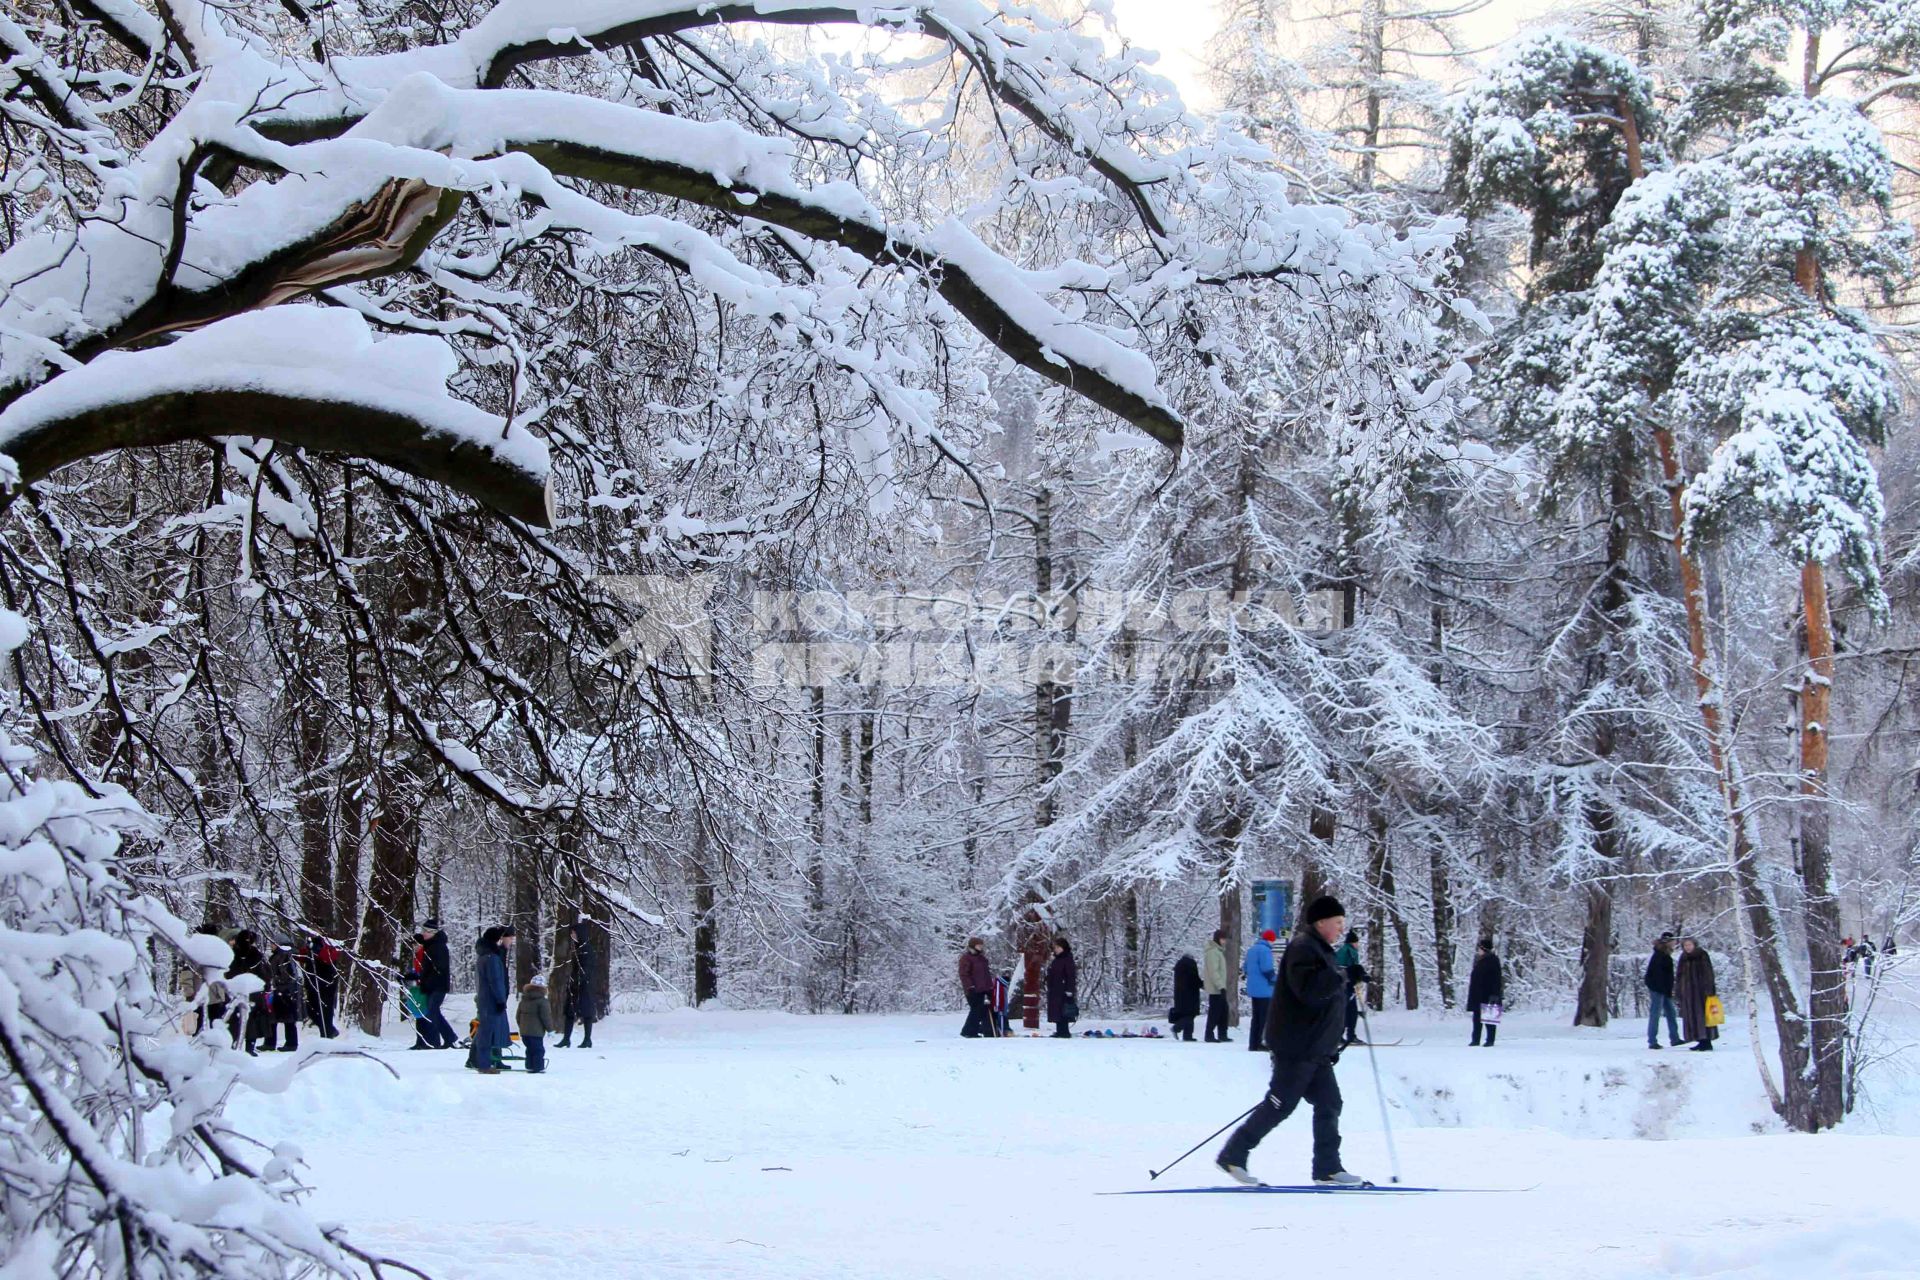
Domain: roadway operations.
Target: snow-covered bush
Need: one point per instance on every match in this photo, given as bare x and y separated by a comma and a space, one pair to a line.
117, 1159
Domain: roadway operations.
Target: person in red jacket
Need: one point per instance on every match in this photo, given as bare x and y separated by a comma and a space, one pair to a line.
976, 979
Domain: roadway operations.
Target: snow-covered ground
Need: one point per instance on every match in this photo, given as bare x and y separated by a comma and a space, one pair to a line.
717, 1144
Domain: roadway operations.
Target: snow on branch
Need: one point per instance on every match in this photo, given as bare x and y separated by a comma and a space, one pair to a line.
306, 376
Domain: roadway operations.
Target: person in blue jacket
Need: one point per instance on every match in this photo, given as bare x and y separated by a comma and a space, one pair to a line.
1259, 968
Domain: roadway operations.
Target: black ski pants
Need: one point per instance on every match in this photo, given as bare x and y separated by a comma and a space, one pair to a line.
1216, 1017
1294, 1081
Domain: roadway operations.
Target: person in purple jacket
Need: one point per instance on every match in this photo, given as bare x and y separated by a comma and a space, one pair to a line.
976, 979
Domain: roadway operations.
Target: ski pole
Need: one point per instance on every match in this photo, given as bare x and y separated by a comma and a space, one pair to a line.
1152, 1174
1386, 1125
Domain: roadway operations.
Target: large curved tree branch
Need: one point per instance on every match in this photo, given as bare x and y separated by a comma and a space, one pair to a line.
381, 434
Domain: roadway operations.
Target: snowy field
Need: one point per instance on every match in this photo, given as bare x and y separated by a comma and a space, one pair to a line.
756, 1144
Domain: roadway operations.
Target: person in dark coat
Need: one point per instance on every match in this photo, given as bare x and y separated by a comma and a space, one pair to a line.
286, 998
582, 1004
976, 983
1692, 984
1659, 982
1186, 996
1305, 1028
436, 979
491, 1036
1487, 985
321, 961
247, 959
1062, 989
535, 1017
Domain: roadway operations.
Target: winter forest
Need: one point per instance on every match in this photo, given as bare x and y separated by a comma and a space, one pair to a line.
795, 486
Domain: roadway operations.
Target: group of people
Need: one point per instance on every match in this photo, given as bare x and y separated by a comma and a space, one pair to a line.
987, 1009
1684, 993
295, 986
532, 1014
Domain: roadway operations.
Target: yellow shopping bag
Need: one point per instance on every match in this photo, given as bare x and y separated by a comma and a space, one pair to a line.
1716, 1012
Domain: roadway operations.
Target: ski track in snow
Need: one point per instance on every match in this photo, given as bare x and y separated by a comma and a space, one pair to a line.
724, 1144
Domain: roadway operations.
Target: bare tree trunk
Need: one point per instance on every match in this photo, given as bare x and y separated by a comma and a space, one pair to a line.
396, 859
1442, 923
1233, 920
524, 871
1376, 920
1591, 1005
348, 835
706, 938
315, 805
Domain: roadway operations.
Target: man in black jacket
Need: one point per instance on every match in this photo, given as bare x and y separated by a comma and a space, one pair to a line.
1305, 1026
436, 977
1660, 994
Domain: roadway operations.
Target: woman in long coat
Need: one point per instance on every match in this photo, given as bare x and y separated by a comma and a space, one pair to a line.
581, 1004
1486, 986
1062, 977
490, 1003
1692, 984
1186, 996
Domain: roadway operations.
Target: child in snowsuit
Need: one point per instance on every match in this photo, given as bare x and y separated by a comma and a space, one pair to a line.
535, 1017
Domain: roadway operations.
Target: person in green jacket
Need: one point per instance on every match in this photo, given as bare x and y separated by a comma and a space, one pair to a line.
1213, 980
1347, 957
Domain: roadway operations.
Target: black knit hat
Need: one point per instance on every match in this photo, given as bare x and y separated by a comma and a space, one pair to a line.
1324, 907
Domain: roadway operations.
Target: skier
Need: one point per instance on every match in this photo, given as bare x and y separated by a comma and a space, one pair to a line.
1692, 984
1660, 994
582, 1004
1214, 981
1258, 966
1347, 956
1063, 1005
976, 980
1304, 1037
1186, 996
1485, 986
436, 978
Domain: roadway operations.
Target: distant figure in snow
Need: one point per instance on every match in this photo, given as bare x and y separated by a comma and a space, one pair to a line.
1867, 953
1305, 1032
1660, 994
582, 1004
1259, 968
535, 1016
286, 997
1347, 956
1213, 981
1186, 996
436, 979
976, 982
1487, 985
321, 960
1692, 984
253, 1010
1063, 1001
491, 1035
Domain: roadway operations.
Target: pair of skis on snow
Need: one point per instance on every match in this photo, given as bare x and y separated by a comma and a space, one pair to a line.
1313, 1189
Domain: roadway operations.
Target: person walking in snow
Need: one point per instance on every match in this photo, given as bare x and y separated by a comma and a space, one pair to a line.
1347, 956
976, 983
1063, 1000
1485, 986
1186, 997
1213, 981
286, 998
250, 1012
1259, 968
1304, 1035
535, 1018
582, 1004
491, 1035
436, 979
1660, 994
1692, 984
